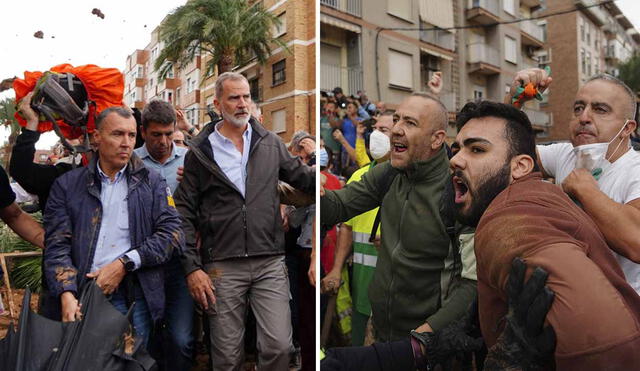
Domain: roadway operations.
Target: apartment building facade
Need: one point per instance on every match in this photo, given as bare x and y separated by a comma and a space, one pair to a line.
581, 44
283, 88
393, 53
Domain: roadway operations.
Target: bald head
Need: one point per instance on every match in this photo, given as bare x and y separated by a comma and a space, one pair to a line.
438, 113
630, 110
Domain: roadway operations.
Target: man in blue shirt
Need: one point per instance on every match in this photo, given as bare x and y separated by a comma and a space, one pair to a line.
112, 221
160, 154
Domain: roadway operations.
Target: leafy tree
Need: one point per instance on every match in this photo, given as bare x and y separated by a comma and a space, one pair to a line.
231, 31
630, 72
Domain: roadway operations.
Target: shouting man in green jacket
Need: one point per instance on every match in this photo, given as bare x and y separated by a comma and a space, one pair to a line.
417, 283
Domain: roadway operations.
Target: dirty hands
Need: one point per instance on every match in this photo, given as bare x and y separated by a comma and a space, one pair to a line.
108, 278
201, 288
70, 307
24, 107
537, 76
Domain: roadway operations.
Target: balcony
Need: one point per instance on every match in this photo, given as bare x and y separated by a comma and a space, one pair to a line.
353, 7
348, 78
594, 13
538, 118
443, 39
483, 59
483, 11
532, 34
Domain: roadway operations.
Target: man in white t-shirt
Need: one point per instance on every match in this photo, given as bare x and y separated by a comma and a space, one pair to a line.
604, 112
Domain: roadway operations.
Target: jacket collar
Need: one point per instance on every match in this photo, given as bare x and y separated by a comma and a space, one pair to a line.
135, 171
201, 141
432, 168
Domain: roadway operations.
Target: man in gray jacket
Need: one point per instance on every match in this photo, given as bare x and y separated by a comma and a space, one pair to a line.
229, 196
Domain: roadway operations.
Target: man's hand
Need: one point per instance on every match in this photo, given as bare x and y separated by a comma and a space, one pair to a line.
201, 288
24, 107
109, 276
70, 307
284, 215
457, 340
435, 84
578, 181
179, 173
331, 282
526, 343
537, 76
308, 145
311, 273
337, 135
181, 121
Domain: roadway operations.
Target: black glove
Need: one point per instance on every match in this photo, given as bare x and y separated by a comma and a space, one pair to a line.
525, 344
457, 340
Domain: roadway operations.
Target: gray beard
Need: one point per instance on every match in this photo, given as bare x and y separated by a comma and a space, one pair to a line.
234, 121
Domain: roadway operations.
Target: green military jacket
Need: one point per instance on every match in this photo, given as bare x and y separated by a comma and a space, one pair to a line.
418, 273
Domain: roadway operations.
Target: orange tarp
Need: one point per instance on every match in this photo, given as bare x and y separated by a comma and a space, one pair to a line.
105, 87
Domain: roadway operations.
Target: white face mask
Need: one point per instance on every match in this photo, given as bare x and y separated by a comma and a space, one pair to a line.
379, 144
593, 157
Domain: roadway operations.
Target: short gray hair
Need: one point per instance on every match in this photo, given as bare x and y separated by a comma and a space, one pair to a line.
633, 106
123, 112
443, 118
233, 76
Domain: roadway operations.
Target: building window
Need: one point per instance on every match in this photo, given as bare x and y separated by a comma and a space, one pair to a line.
170, 73
254, 88
400, 8
279, 30
510, 50
588, 27
192, 86
279, 121
400, 69
589, 63
278, 72
140, 72
509, 6
477, 95
581, 29
583, 61
188, 85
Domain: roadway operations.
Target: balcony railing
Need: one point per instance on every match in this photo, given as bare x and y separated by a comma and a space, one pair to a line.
490, 5
353, 7
443, 39
348, 78
482, 53
532, 29
538, 118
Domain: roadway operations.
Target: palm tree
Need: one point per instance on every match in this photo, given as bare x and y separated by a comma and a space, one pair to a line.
229, 30
7, 119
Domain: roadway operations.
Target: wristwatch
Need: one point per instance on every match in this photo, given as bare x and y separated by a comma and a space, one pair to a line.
129, 265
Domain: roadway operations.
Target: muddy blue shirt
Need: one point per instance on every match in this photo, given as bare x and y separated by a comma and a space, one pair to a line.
114, 239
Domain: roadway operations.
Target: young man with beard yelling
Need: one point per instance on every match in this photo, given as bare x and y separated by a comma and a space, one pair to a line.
596, 314
417, 283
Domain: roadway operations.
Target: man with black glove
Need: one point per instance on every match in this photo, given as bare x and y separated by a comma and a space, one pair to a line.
524, 344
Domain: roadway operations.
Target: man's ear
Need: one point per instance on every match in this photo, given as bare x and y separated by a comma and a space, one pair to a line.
521, 165
437, 138
630, 128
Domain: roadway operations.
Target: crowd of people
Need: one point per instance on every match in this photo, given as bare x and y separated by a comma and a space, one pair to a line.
189, 239
469, 254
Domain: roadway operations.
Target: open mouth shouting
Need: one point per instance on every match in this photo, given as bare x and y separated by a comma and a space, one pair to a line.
461, 188
399, 147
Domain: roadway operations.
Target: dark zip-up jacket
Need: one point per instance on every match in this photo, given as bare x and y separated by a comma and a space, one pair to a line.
230, 225
72, 221
416, 279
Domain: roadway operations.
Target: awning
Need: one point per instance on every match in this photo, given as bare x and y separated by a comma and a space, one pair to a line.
333, 21
436, 53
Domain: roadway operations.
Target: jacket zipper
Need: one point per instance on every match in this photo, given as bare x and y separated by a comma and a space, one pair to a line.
393, 253
244, 226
